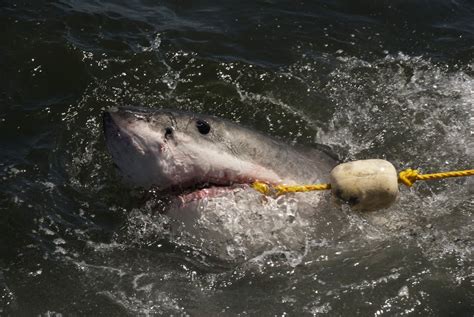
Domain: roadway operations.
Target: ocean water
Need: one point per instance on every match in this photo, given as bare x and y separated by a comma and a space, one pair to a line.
370, 79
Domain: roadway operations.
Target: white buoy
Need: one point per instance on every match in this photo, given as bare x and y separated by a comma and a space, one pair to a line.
366, 185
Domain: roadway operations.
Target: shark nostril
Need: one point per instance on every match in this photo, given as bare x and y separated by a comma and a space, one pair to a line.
168, 132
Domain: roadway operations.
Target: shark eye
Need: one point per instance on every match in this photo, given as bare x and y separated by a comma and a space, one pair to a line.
203, 127
168, 132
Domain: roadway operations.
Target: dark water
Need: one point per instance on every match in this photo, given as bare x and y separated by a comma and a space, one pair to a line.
389, 79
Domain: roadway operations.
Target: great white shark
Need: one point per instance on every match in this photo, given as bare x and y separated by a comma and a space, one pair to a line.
208, 164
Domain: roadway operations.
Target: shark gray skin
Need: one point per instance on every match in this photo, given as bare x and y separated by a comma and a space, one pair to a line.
209, 163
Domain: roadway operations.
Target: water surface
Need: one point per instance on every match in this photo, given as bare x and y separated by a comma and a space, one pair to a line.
372, 79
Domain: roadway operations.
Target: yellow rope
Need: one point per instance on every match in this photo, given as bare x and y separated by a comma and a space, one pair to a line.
283, 189
278, 190
407, 177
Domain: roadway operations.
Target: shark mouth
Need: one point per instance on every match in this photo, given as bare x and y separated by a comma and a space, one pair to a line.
213, 188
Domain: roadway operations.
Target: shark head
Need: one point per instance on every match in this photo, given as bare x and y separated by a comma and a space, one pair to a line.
171, 149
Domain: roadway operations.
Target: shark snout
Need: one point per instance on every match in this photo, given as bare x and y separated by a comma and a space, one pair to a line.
115, 127
107, 121
112, 121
